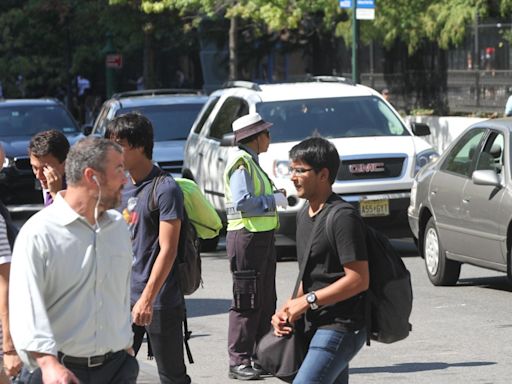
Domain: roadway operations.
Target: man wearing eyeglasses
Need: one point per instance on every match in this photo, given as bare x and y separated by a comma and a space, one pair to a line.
251, 205
332, 292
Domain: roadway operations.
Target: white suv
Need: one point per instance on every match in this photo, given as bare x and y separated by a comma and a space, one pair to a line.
379, 154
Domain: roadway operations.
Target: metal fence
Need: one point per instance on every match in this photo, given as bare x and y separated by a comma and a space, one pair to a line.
468, 91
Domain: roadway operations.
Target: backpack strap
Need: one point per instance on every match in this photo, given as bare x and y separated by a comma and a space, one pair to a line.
307, 252
331, 237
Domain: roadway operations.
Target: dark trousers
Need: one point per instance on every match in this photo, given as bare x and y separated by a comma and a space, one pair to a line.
165, 335
251, 251
121, 369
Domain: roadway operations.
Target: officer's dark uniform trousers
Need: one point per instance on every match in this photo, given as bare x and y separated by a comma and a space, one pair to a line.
250, 251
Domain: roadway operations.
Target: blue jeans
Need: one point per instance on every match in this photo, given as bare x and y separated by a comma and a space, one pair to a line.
328, 356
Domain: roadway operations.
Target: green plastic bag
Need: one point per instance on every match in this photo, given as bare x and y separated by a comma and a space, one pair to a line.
200, 211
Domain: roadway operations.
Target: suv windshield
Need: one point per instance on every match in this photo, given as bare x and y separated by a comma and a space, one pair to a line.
295, 120
27, 120
170, 122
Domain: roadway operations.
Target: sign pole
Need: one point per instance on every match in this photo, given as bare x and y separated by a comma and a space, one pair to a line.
355, 43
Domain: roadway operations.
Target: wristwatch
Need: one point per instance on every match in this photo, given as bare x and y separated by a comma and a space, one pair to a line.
311, 299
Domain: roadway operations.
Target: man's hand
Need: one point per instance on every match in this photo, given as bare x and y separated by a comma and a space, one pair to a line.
142, 312
12, 363
54, 372
280, 323
295, 308
53, 179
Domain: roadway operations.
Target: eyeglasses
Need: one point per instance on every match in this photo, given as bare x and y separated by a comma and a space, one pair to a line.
298, 171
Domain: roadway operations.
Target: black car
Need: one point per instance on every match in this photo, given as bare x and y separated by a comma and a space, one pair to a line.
20, 119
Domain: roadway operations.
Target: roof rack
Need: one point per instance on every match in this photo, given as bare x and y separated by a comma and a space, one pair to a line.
156, 92
330, 79
242, 84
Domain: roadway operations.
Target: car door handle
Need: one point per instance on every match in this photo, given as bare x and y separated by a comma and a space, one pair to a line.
466, 200
220, 159
200, 153
433, 193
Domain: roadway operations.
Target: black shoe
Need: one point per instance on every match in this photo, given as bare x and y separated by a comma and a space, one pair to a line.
261, 371
243, 372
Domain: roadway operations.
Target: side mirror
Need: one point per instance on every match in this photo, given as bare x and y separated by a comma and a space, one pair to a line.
420, 129
87, 129
228, 140
486, 177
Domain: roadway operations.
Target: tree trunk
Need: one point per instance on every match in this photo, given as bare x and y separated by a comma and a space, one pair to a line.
233, 58
149, 57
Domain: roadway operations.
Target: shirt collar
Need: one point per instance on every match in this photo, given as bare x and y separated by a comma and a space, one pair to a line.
253, 154
66, 215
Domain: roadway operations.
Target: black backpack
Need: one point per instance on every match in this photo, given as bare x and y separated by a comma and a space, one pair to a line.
389, 298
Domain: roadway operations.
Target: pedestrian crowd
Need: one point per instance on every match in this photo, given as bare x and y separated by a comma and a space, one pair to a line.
95, 272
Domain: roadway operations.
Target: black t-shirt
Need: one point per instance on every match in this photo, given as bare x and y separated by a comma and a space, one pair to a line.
144, 228
324, 267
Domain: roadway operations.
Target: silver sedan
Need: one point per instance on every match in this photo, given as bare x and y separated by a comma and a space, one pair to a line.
461, 204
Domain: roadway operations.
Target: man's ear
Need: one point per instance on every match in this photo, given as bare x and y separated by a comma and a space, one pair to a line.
324, 174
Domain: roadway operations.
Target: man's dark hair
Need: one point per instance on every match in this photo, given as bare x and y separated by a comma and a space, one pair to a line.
319, 153
52, 142
135, 128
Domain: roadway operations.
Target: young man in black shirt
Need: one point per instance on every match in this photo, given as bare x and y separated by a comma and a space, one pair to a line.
332, 291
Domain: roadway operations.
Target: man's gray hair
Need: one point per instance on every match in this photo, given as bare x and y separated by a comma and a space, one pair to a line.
90, 152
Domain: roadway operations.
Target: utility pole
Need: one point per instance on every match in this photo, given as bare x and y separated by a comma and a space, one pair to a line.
109, 72
355, 43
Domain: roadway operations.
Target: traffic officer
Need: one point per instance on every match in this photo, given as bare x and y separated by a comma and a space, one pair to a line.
251, 205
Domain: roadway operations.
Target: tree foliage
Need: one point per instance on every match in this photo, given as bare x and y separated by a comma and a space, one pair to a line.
411, 21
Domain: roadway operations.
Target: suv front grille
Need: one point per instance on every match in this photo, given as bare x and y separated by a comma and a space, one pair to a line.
171, 166
362, 169
22, 163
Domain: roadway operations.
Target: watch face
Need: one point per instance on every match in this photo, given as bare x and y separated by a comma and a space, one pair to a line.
311, 298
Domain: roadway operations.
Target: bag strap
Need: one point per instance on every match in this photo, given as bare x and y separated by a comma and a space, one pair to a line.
332, 244
307, 252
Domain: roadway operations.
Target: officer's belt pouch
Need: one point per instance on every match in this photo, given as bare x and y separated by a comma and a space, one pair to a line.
245, 290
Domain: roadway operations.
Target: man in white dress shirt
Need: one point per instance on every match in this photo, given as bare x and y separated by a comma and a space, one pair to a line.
70, 277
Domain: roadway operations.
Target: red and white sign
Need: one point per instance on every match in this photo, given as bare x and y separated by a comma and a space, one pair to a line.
114, 60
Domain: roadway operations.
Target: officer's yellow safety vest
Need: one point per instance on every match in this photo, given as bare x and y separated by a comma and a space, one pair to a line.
262, 186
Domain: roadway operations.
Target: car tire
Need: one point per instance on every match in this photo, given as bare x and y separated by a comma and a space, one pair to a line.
209, 245
440, 270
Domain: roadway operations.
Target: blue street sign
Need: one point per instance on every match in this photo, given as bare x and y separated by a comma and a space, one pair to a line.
369, 4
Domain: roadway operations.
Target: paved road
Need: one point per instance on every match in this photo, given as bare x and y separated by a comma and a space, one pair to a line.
461, 334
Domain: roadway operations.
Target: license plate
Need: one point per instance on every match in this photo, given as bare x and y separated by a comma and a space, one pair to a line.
373, 208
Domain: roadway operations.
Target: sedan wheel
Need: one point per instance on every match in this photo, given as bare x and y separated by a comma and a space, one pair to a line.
431, 251
440, 270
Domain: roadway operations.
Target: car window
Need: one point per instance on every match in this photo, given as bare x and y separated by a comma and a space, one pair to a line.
101, 121
232, 109
295, 120
171, 121
462, 155
207, 112
491, 157
27, 120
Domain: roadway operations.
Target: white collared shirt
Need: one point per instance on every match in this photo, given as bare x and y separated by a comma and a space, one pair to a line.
70, 284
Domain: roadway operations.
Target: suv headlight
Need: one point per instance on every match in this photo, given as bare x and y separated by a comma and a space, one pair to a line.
281, 169
423, 158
